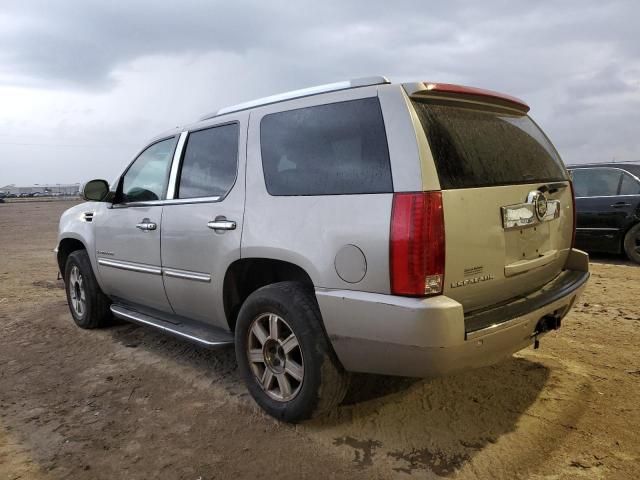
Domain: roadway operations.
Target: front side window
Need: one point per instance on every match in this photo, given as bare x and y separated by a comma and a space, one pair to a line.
334, 149
210, 162
596, 182
629, 185
147, 177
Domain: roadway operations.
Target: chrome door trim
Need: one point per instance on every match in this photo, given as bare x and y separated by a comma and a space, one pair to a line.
175, 166
602, 229
175, 201
130, 266
187, 275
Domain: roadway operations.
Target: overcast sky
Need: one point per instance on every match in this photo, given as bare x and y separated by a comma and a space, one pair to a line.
84, 84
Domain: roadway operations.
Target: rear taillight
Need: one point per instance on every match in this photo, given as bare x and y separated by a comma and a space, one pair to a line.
417, 244
573, 209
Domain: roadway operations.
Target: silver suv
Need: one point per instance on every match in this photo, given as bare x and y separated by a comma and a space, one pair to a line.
404, 229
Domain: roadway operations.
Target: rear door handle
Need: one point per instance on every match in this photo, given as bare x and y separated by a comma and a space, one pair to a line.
146, 225
222, 224
620, 205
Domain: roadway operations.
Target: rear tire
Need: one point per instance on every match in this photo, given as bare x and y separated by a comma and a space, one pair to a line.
88, 305
284, 356
632, 243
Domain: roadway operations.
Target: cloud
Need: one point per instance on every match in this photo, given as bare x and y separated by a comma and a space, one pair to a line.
98, 73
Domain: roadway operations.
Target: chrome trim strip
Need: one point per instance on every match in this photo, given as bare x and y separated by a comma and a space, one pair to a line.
496, 327
129, 315
524, 214
603, 229
176, 201
637, 195
175, 166
187, 275
133, 267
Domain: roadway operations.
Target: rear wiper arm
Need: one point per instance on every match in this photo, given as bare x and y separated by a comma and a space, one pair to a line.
552, 187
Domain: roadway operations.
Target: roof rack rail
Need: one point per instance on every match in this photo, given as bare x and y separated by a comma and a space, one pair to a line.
305, 92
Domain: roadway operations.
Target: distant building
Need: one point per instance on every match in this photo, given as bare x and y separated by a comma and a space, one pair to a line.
53, 188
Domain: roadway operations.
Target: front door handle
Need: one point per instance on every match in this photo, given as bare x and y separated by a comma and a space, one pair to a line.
621, 204
146, 225
221, 223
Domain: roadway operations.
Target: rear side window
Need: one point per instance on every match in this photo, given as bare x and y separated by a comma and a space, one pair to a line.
596, 182
481, 148
210, 162
339, 148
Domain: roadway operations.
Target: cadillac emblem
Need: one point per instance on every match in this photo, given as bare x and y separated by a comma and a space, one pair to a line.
540, 205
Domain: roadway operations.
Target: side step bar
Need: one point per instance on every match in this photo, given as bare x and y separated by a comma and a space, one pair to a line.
195, 332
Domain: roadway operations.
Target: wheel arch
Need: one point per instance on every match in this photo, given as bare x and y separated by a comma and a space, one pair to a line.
623, 237
246, 275
66, 247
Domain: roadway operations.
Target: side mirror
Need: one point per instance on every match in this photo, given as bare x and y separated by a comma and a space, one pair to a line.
95, 190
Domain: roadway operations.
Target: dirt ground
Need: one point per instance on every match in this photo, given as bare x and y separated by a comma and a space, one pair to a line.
128, 402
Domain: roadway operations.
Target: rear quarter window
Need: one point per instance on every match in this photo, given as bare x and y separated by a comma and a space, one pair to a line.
629, 185
333, 149
480, 148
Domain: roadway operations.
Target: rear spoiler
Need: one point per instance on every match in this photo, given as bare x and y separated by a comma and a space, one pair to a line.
448, 91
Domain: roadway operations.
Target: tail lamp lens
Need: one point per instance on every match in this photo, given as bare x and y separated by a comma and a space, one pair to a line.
417, 248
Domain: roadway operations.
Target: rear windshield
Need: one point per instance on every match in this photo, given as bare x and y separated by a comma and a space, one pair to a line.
477, 148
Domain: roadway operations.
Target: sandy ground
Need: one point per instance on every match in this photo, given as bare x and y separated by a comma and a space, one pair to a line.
127, 402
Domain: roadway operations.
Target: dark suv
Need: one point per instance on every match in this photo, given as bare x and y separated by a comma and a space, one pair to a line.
608, 207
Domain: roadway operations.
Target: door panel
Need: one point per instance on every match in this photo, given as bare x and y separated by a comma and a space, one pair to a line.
598, 224
195, 256
128, 234
129, 257
602, 213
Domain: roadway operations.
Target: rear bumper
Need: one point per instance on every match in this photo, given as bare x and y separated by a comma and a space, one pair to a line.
392, 335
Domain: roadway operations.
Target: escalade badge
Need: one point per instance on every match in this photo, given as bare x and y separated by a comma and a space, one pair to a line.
469, 281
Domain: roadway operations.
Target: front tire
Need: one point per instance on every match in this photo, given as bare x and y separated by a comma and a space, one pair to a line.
632, 243
88, 305
284, 356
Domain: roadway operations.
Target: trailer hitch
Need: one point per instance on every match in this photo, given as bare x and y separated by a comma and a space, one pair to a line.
549, 322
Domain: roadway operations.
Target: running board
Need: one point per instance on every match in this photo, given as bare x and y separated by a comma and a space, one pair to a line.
195, 332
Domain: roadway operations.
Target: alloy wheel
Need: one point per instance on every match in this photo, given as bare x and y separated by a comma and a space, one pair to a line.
76, 291
275, 357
